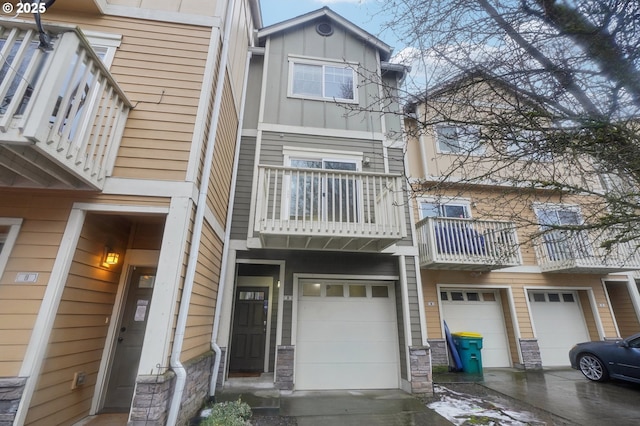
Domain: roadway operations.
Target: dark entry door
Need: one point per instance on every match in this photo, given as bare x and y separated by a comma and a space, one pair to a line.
249, 329
129, 344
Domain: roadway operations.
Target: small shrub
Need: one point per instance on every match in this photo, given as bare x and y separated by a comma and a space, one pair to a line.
233, 413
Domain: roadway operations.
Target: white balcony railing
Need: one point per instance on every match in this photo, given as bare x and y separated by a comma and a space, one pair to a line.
329, 209
61, 114
582, 251
450, 243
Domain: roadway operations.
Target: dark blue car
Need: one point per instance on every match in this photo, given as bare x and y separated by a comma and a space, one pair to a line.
600, 361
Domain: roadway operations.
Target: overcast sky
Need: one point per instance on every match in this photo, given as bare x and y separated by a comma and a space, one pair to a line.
363, 13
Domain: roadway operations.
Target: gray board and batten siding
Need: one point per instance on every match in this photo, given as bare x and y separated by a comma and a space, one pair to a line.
341, 47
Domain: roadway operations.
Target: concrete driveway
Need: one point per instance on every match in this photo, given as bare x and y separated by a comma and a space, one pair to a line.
564, 393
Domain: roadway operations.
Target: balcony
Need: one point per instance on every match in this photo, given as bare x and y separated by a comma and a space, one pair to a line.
582, 252
319, 209
61, 113
466, 244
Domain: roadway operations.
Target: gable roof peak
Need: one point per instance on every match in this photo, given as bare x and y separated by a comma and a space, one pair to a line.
384, 49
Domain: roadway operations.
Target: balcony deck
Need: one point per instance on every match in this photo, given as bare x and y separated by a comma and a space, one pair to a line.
582, 252
466, 244
61, 114
315, 209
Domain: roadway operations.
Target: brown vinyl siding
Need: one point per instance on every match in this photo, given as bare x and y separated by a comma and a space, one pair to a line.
623, 309
44, 221
76, 345
160, 68
517, 282
224, 153
204, 295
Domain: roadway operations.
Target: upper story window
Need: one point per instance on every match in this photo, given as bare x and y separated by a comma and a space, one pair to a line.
528, 145
454, 209
314, 79
557, 215
458, 139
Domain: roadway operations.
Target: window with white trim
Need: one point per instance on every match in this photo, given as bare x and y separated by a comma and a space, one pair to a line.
314, 79
458, 139
454, 209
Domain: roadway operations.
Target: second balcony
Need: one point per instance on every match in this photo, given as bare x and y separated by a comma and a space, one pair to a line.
339, 210
466, 244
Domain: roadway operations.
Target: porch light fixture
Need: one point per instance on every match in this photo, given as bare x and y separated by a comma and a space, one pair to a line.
110, 257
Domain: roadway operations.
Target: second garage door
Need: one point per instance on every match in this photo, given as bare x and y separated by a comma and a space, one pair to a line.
559, 324
347, 336
479, 311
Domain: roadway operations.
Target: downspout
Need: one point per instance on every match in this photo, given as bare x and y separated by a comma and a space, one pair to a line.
181, 324
227, 237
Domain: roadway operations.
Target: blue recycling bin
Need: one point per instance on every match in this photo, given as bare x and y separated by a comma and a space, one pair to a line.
469, 346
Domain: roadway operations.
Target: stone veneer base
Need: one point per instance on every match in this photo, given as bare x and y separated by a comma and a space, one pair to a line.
153, 393
420, 365
530, 350
11, 389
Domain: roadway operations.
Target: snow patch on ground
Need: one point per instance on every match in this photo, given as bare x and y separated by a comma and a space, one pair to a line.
460, 408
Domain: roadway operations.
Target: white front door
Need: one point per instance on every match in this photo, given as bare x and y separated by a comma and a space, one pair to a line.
347, 336
478, 311
559, 324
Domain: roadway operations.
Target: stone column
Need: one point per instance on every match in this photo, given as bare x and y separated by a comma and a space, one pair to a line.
11, 389
439, 354
420, 366
530, 354
284, 367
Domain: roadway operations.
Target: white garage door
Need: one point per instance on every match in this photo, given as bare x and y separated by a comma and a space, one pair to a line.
559, 324
347, 336
479, 311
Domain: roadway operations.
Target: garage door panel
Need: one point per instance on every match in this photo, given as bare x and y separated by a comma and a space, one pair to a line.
485, 318
341, 309
318, 376
559, 325
347, 342
353, 331
349, 352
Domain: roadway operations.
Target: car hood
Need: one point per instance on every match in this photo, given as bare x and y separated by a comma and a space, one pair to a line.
599, 343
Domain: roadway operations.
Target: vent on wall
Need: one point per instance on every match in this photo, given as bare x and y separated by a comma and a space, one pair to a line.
324, 29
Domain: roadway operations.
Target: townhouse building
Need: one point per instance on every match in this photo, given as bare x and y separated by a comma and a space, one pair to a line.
486, 264
323, 287
119, 127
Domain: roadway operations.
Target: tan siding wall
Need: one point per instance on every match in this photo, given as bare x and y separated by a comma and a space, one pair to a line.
44, 221
588, 316
160, 68
623, 309
219, 187
80, 328
517, 282
203, 299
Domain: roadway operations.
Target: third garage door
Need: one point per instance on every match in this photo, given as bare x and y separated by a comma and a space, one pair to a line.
559, 324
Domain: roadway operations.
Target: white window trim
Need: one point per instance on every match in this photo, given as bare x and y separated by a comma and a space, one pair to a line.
353, 66
292, 153
480, 151
538, 207
108, 41
445, 200
14, 225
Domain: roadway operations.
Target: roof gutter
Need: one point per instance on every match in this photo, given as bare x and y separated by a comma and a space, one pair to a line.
183, 314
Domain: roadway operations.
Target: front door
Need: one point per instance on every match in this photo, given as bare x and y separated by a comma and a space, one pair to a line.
124, 368
249, 330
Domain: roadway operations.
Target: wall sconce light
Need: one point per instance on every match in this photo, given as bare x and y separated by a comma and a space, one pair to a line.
110, 257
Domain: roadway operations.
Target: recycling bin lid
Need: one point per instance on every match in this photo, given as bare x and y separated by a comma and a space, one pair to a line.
467, 334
